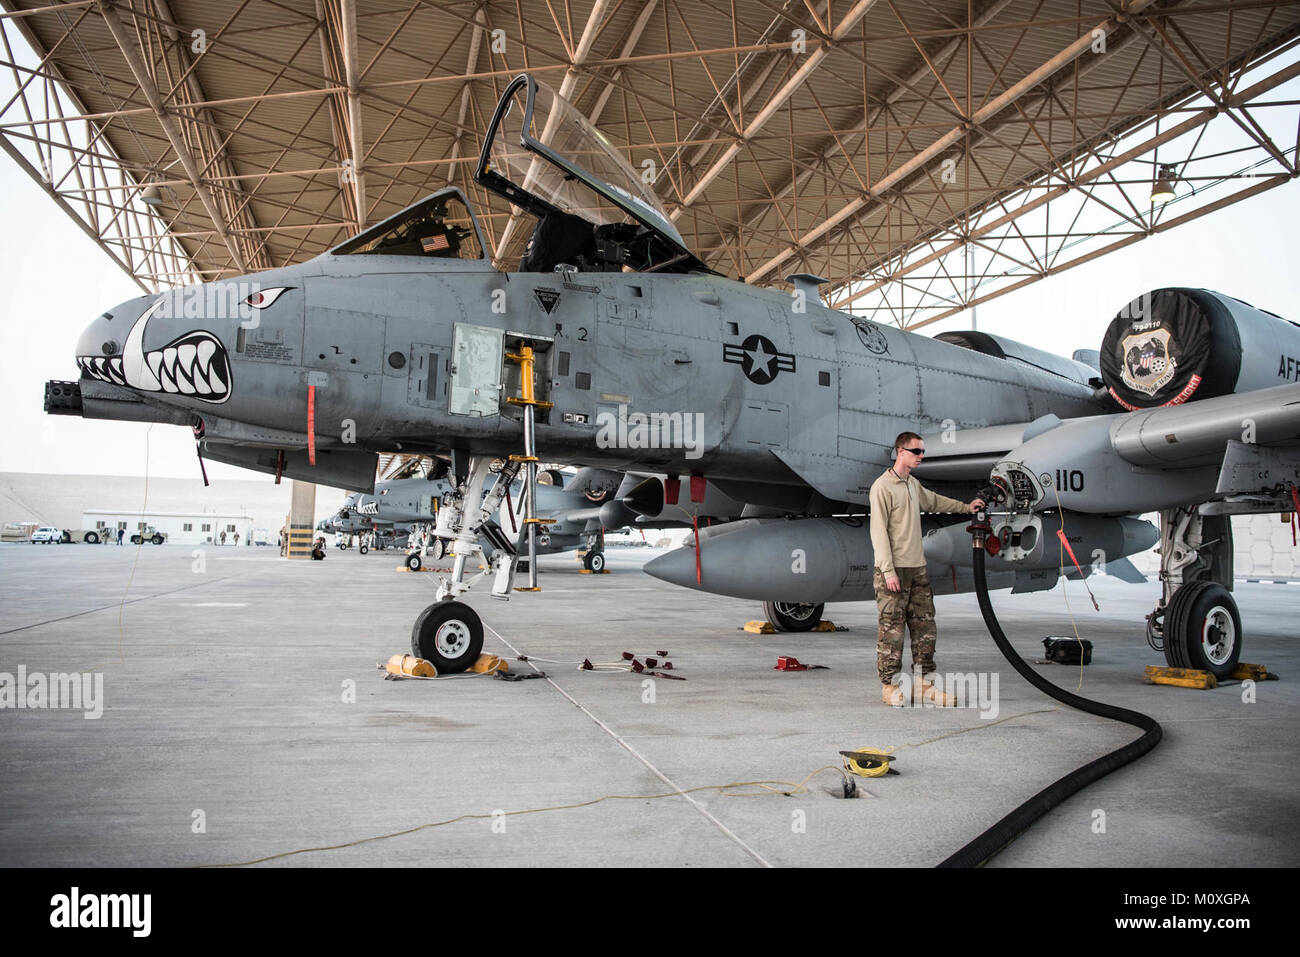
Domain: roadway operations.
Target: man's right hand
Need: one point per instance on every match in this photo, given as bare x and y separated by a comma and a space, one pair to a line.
892, 583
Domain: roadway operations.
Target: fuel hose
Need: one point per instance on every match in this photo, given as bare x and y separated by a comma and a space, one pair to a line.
1000, 835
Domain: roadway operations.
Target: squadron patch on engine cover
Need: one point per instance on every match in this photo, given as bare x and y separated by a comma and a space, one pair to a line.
1148, 366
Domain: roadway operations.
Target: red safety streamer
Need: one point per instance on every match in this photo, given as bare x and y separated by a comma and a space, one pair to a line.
695, 520
510, 511
1295, 518
1060, 533
311, 424
279, 465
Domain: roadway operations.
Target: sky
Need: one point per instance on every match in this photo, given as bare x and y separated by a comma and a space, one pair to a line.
57, 280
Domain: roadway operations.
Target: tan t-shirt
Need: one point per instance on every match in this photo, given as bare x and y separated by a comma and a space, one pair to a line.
896, 508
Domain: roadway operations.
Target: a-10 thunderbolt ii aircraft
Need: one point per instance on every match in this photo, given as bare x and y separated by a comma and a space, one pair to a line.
348, 522
577, 507
612, 345
571, 504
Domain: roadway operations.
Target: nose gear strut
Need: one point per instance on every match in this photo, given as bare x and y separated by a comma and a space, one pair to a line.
465, 520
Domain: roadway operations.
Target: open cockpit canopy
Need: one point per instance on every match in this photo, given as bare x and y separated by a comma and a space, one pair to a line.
594, 209
439, 226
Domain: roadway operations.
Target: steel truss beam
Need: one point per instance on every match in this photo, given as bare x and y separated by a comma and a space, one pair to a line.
302, 122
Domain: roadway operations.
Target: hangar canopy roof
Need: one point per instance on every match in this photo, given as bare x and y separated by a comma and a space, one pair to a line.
895, 148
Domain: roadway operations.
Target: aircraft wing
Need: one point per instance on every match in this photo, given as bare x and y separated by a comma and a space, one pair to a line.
1198, 433
968, 455
1234, 448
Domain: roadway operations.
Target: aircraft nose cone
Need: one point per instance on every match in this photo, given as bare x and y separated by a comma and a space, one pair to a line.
106, 347
106, 336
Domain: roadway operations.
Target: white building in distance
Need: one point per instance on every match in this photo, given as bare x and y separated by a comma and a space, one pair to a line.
177, 528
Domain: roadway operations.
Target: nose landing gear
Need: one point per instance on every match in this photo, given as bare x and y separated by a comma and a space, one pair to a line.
450, 633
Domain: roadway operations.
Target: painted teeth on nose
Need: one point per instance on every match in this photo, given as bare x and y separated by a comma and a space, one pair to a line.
154, 361
185, 354
183, 382
206, 350
201, 382
164, 378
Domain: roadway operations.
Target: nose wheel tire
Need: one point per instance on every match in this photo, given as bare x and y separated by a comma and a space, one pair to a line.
413, 562
793, 616
1203, 629
363, 549
594, 562
448, 634
437, 549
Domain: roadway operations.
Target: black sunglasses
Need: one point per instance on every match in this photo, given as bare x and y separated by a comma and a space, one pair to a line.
915, 451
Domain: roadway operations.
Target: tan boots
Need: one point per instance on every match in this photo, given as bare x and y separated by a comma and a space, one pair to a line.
927, 692
922, 691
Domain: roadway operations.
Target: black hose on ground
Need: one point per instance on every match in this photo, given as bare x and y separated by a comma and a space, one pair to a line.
1001, 834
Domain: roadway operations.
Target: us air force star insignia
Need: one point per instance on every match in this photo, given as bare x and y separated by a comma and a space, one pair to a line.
758, 358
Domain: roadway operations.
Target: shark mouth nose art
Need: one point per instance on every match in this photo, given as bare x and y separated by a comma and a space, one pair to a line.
194, 364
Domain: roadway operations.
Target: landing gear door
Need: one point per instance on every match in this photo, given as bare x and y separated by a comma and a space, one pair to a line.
476, 356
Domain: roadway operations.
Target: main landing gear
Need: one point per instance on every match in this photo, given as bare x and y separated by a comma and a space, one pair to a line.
592, 552
793, 616
1196, 623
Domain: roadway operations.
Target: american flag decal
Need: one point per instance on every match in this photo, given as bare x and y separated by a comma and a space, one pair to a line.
433, 243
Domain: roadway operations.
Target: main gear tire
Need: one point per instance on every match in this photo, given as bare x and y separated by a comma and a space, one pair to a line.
793, 616
1203, 629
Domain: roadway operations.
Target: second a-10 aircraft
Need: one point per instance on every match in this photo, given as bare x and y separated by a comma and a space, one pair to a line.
613, 346
577, 509
571, 505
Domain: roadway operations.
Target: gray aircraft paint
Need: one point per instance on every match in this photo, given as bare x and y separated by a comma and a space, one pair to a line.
818, 560
660, 341
800, 408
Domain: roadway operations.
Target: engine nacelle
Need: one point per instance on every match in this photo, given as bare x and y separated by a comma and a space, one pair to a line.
654, 498
1173, 346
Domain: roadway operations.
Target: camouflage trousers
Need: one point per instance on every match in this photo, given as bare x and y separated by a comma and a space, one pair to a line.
912, 605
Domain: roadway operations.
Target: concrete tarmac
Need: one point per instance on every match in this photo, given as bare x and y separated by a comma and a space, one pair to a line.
243, 718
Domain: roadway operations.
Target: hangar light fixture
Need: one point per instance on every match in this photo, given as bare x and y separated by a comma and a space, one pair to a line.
1163, 190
